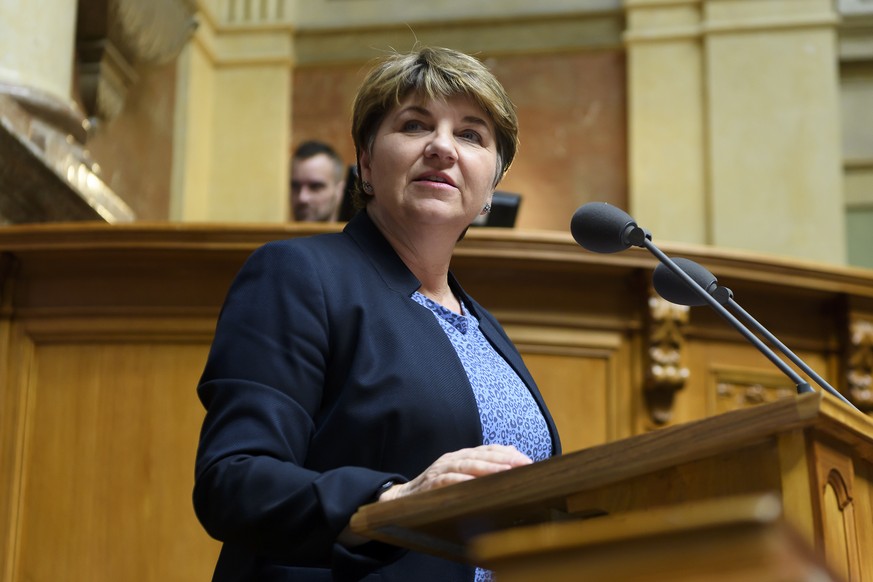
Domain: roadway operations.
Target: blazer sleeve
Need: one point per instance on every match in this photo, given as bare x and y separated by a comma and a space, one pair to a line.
262, 387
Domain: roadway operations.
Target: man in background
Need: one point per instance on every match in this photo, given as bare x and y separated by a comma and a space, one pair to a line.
317, 182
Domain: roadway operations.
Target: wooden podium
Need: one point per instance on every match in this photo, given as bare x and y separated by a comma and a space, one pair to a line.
812, 454
736, 539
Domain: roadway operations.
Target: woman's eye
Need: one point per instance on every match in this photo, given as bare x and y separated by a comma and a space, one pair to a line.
413, 125
471, 135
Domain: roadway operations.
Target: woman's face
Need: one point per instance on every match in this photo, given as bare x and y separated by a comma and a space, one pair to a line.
432, 162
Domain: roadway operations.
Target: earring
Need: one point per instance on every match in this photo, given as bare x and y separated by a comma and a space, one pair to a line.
368, 188
487, 208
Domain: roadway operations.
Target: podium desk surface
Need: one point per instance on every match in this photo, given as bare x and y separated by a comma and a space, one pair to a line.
443, 521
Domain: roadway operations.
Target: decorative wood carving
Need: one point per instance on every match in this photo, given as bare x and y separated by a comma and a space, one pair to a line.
842, 494
736, 389
834, 507
859, 363
665, 372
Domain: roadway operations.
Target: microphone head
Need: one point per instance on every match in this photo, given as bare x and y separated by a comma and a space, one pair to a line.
601, 228
674, 289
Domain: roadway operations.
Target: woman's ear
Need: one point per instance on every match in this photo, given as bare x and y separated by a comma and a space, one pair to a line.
364, 165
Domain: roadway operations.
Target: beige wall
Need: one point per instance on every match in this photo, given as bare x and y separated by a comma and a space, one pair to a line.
232, 125
734, 124
564, 68
713, 122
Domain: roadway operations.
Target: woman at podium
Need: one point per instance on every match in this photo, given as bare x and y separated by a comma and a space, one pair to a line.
352, 368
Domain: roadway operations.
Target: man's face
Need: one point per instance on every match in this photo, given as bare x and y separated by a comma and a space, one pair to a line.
315, 193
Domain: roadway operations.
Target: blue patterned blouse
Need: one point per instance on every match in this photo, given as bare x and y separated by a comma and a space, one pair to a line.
507, 410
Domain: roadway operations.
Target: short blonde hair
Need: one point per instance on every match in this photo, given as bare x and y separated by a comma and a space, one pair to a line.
437, 74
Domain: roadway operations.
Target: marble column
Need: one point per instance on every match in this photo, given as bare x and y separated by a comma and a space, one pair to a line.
36, 57
45, 171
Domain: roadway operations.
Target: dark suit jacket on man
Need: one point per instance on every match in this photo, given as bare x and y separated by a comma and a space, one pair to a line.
324, 381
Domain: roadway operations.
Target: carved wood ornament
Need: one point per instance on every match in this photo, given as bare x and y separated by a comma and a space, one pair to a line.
859, 364
665, 372
742, 392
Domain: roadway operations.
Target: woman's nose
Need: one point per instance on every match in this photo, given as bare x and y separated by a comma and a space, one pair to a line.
442, 144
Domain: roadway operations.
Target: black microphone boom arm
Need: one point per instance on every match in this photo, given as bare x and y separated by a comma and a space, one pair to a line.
679, 291
801, 385
603, 228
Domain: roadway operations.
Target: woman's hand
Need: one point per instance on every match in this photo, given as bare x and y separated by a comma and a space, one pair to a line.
450, 468
458, 466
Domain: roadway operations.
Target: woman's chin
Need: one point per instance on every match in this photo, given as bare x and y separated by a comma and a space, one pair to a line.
439, 212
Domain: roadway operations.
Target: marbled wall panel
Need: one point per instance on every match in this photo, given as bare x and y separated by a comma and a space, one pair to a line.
321, 106
135, 149
573, 132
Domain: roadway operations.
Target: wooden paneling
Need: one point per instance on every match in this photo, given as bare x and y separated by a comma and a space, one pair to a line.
108, 464
104, 331
584, 386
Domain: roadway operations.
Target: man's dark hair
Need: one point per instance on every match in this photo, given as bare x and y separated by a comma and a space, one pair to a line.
311, 148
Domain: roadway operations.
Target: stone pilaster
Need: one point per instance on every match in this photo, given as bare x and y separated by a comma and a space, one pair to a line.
233, 103
734, 124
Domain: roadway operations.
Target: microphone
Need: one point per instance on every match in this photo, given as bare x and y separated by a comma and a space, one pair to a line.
602, 228
675, 290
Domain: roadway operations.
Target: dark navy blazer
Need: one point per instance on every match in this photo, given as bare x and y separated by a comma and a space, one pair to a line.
323, 382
